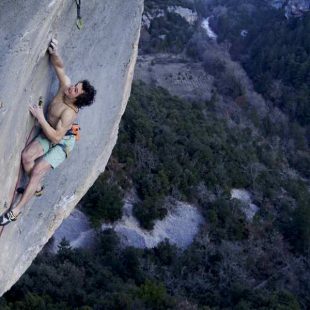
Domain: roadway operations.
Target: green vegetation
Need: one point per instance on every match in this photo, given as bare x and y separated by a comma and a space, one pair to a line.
171, 147
211, 275
108, 278
275, 53
167, 33
103, 201
226, 220
168, 146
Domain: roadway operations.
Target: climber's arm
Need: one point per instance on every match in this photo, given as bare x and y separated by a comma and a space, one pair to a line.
64, 124
58, 64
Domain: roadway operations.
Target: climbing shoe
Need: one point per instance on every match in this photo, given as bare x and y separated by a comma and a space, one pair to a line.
7, 218
39, 192
21, 190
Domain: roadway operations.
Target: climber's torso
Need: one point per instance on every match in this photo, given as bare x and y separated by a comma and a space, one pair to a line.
57, 108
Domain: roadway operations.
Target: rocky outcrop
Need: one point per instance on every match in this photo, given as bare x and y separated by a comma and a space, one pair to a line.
149, 16
293, 8
297, 7
247, 207
104, 52
77, 230
176, 73
179, 227
189, 15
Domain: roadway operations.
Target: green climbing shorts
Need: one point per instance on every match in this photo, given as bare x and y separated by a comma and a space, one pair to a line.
54, 154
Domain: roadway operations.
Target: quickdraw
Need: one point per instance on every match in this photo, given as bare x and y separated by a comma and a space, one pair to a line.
79, 21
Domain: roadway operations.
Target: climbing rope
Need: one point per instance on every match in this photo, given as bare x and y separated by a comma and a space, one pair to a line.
79, 21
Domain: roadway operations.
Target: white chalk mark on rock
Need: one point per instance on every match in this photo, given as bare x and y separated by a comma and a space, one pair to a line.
52, 3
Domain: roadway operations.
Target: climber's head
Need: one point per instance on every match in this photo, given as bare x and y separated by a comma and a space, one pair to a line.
73, 91
87, 97
82, 93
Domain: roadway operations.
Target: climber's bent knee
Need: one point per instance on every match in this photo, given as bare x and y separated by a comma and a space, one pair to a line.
41, 168
31, 152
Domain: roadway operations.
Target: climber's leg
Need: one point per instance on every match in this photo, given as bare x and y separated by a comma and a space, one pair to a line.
38, 171
31, 152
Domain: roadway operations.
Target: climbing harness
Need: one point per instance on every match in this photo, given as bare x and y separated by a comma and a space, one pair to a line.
79, 21
74, 131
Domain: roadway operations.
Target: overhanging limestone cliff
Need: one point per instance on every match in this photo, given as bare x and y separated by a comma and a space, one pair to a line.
104, 52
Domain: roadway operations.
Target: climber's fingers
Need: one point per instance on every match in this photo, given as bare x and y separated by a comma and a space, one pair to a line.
51, 51
36, 111
52, 48
32, 109
54, 41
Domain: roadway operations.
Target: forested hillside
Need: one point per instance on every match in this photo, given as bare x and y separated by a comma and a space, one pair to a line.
171, 147
275, 52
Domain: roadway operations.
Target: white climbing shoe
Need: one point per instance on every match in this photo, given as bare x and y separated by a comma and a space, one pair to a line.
7, 218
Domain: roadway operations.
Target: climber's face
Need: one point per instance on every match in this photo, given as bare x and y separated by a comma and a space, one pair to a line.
74, 91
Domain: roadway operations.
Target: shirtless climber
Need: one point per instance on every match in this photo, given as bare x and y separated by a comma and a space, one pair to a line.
50, 147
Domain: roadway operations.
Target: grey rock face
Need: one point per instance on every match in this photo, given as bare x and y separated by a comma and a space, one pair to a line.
77, 230
190, 16
104, 52
180, 226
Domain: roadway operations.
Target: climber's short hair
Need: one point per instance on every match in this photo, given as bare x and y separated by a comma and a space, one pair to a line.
88, 97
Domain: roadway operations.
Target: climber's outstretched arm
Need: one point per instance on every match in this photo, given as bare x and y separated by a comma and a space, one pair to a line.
58, 64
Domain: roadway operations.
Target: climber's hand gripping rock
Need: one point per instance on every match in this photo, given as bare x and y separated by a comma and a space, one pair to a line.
52, 48
37, 112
